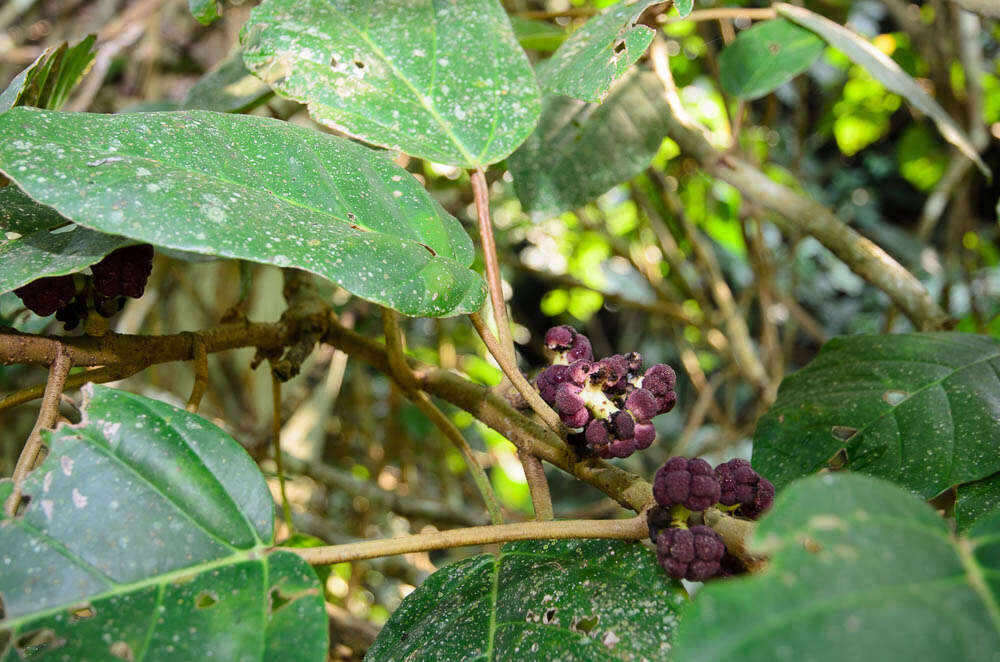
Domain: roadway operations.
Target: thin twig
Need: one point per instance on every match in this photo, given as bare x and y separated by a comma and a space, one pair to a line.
634, 528
538, 485
726, 13
443, 423
276, 438
200, 373
527, 391
96, 376
47, 415
494, 280
394, 347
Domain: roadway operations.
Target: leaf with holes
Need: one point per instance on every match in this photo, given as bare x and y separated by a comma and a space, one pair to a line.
445, 81
581, 150
766, 56
48, 81
251, 188
596, 55
919, 409
860, 570
35, 242
147, 537
568, 599
884, 69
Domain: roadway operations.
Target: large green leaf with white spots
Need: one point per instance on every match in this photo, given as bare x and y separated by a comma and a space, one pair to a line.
148, 536
35, 241
251, 188
440, 79
585, 65
919, 409
859, 570
558, 599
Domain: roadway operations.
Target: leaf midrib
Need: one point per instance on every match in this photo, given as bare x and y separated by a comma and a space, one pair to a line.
429, 107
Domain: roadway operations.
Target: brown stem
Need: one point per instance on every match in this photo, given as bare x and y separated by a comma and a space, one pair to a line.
46, 419
538, 485
96, 376
200, 373
276, 439
624, 529
494, 280
727, 13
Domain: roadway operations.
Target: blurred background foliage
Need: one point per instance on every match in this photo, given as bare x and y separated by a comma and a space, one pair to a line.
669, 263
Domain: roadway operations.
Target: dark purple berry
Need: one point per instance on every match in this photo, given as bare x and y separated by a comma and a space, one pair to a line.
622, 425
615, 371
659, 380
741, 485
71, 314
576, 420
621, 448
634, 360
579, 372
123, 272
597, 434
568, 400
47, 295
548, 381
581, 350
560, 338
666, 402
693, 554
645, 433
642, 404
690, 483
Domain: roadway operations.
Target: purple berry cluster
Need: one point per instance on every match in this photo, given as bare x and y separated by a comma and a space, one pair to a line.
611, 399
122, 273
684, 485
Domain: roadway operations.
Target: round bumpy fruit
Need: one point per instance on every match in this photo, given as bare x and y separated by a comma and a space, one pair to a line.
690, 483
124, 272
47, 295
693, 554
742, 486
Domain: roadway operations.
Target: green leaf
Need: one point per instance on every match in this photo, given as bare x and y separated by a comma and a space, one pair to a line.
684, 7
859, 570
975, 500
600, 52
766, 56
567, 599
35, 241
147, 538
48, 81
860, 51
444, 81
537, 35
227, 88
204, 11
251, 188
581, 150
919, 409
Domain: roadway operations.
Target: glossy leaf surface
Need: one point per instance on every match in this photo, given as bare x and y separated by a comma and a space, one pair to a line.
765, 56
919, 409
558, 599
179, 564
35, 241
445, 81
250, 188
600, 52
859, 569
